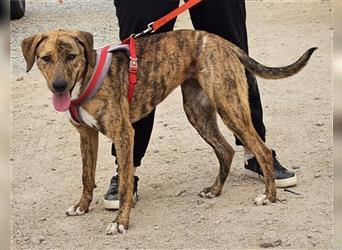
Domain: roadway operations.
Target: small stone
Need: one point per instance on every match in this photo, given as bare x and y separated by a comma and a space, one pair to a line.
200, 202
156, 227
319, 124
43, 219
277, 242
295, 167
266, 245
20, 79
317, 175
156, 185
156, 151
38, 240
314, 243
53, 169
181, 192
284, 200
165, 125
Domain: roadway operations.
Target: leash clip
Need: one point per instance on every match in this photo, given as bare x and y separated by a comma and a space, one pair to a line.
146, 31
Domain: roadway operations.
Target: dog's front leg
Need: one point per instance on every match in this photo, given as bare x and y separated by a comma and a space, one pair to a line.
123, 139
89, 146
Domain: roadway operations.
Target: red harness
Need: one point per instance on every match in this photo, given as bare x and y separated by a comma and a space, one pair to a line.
133, 66
100, 70
105, 56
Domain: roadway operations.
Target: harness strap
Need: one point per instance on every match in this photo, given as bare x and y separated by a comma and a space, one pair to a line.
94, 78
133, 67
103, 61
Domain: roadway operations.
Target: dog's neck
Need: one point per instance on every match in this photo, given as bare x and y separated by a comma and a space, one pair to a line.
81, 85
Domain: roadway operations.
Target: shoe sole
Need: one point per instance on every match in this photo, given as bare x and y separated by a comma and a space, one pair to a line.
114, 205
282, 183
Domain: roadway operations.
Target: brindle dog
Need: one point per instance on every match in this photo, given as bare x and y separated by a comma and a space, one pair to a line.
211, 73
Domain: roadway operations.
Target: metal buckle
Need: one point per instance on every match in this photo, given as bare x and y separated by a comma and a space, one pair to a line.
148, 30
133, 65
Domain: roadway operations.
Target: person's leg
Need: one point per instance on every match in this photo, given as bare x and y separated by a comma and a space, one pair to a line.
228, 20
133, 17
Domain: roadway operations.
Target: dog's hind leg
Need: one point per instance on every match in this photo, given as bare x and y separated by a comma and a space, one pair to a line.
89, 146
241, 125
202, 116
231, 102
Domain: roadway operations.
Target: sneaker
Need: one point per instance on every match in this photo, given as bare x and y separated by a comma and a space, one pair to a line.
111, 198
283, 177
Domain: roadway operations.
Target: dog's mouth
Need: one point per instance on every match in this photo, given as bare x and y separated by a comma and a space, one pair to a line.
61, 101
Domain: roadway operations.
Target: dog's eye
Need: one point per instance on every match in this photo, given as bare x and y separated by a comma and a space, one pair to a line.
71, 57
46, 58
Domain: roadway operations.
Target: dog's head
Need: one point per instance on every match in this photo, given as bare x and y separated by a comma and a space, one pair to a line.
63, 57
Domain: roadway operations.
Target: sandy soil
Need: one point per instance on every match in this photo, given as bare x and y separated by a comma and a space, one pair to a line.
46, 165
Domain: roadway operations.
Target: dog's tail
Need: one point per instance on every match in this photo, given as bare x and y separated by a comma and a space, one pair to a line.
273, 72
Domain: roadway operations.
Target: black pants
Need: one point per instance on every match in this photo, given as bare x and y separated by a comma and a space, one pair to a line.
226, 18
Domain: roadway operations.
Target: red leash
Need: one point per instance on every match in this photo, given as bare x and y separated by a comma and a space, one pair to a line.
167, 18
152, 27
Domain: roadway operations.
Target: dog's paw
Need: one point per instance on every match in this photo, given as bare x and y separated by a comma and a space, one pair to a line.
115, 228
74, 210
209, 193
261, 200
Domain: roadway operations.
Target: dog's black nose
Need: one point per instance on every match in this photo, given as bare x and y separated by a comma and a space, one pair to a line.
59, 85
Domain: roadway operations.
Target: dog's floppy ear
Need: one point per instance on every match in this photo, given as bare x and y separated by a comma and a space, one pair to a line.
29, 46
87, 41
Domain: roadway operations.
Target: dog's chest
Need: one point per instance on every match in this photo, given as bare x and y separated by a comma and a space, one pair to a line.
87, 118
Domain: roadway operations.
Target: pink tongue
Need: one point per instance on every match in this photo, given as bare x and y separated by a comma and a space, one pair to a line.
61, 101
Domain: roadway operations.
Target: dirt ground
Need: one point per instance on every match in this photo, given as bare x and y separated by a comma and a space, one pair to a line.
46, 164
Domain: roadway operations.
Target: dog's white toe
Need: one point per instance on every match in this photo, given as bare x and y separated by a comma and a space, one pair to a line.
79, 211
121, 229
261, 200
112, 228
202, 194
209, 195
74, 210
71, 211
